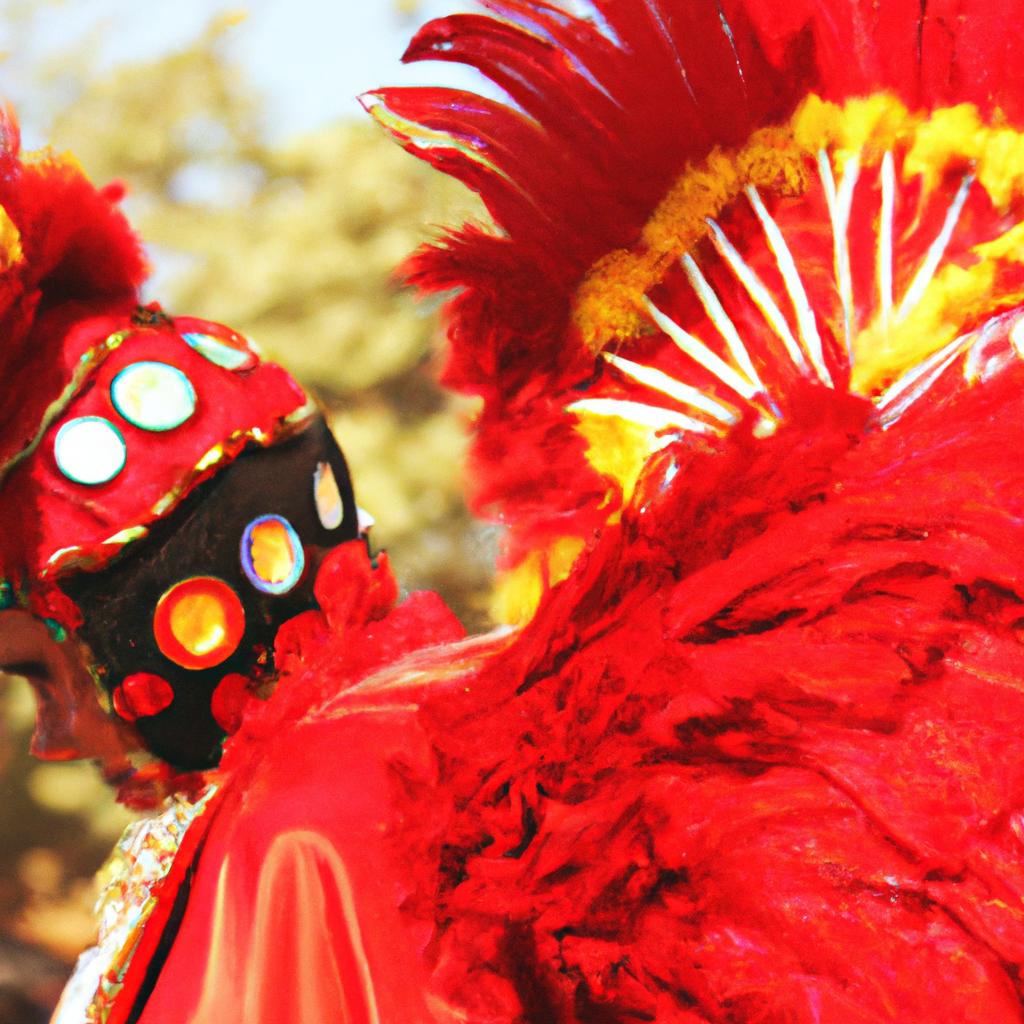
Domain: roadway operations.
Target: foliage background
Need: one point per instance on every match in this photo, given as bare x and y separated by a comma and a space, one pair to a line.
293, 241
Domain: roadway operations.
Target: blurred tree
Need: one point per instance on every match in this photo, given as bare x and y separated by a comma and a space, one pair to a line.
295, 245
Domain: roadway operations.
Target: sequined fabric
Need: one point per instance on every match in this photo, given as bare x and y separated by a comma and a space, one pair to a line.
141, 859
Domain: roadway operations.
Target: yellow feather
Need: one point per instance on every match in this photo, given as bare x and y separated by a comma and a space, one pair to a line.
518, 591
10, 242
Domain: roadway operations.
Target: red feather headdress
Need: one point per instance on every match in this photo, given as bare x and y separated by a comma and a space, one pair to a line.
66, 254
70, 272
749, 338
701, 207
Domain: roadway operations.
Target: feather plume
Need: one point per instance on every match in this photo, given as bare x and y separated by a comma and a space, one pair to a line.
67, 254
755, 757
629, 128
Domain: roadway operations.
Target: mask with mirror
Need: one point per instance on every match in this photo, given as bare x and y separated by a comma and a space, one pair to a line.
167, 495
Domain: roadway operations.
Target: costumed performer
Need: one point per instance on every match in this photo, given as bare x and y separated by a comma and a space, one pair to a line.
748, 339
180, 541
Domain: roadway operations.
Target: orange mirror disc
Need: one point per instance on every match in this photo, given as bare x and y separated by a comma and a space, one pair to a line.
199, 622
272, 555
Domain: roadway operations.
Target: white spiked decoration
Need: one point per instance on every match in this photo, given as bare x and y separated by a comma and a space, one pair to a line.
896, 399
685, 394
651, 417
935, 252
985, 350
716, 311
885, 228
700, 353
840, 202
758, 292
794, 286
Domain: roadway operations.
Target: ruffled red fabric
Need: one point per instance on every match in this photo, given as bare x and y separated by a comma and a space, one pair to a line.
358, 629
761, 757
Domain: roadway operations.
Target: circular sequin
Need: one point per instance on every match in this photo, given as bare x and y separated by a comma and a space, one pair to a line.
89, 450
153, 396
229, 352
272, 555
329, 506
199, 622
142, 694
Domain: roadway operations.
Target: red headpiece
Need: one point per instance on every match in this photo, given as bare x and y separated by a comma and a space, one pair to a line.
114, 417
112, 414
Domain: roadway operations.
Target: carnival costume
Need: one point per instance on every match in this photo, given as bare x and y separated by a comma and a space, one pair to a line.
172, 502
748, 339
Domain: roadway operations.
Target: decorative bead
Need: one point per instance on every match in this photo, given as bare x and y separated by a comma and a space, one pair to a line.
229, 700
141, 695
272, 554
89, 450
329, 506
153, 396
229, 352
199, 622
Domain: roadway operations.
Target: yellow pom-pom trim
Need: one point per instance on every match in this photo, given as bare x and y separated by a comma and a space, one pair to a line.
606, 306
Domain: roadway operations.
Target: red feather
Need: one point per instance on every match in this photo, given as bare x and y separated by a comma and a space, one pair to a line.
78, 258
758, 758
609, 108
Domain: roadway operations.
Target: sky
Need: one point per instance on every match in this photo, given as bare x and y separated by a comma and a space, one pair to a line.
310, 58
336, 56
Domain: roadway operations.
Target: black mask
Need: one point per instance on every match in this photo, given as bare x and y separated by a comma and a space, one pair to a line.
204, 538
